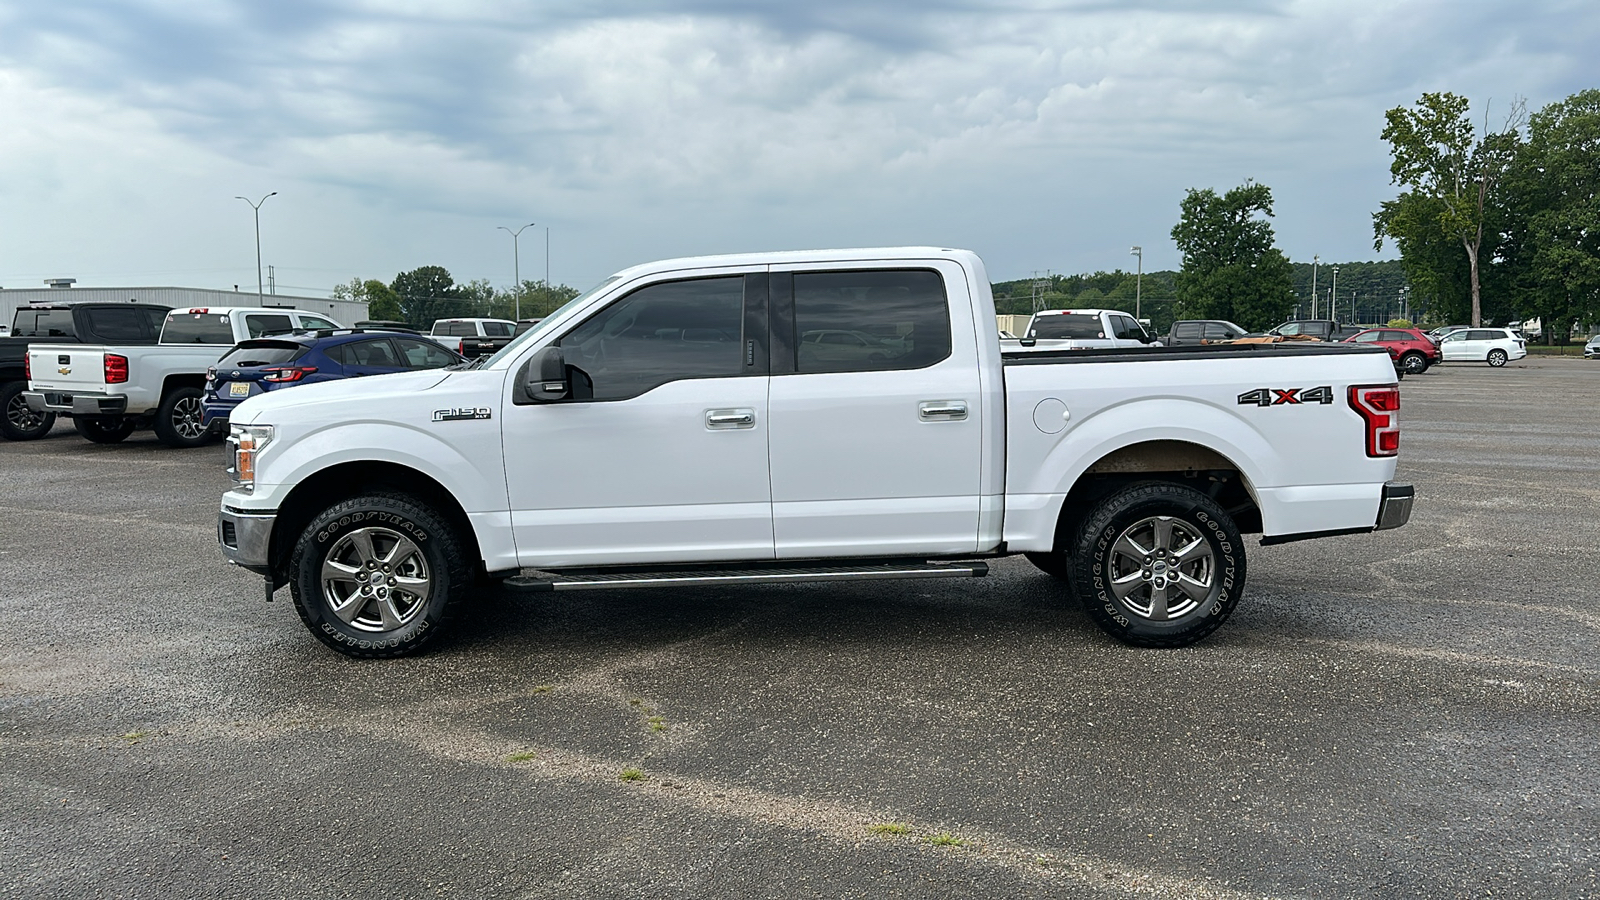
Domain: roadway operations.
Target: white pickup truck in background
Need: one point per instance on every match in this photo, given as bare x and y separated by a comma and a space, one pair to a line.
110, 390
1081, 329
674, 427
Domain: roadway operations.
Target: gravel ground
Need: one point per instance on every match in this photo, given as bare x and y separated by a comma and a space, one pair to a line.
1412, 713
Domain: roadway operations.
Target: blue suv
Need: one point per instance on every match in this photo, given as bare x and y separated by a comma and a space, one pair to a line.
282, 361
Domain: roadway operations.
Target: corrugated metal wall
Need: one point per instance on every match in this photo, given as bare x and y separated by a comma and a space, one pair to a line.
345, 312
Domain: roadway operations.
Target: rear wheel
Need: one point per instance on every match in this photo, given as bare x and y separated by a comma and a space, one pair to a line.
17, 421
1497, 358
378, 575
1159, 564
103, 429
1414, 363
180, 421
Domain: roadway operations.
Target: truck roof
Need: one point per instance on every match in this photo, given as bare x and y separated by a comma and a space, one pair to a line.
799, 257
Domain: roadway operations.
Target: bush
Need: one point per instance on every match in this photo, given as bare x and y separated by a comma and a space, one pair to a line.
1399, 323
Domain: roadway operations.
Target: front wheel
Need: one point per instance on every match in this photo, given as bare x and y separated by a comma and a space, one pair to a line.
1159, 564
378, 575
103, 429
17, 421
180, 420
1414, 363
1497, 358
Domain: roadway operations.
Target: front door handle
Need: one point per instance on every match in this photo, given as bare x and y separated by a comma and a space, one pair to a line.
942, 410
722, 419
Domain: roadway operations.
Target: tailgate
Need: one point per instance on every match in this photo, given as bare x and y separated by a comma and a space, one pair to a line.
66, 367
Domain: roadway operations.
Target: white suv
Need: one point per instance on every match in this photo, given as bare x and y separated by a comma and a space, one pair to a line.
1495, 346
1591, 350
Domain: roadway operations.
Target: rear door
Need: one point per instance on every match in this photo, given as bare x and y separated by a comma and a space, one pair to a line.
876, 451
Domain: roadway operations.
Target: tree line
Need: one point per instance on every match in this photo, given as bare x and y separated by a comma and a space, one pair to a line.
426, 293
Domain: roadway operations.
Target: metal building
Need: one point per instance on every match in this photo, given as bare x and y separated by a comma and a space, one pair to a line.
61, 290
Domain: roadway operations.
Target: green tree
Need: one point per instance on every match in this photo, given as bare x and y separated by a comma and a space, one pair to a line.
1555, 191
1231, 268
427, 293
1450, 175
382, 302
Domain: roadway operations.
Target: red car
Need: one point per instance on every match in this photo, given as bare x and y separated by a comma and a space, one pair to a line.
1410, 346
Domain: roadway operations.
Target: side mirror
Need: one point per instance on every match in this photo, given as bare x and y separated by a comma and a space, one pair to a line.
544, 378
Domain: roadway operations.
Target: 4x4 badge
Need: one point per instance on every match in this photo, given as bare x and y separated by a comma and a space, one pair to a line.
462, 413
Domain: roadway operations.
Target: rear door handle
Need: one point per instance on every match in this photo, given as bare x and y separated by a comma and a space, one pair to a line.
723, 419
942, 410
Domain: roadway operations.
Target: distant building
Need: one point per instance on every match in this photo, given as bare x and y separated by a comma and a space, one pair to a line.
62, 290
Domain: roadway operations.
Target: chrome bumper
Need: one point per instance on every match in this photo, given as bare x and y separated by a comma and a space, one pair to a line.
74, 404
1394, 509
246, 537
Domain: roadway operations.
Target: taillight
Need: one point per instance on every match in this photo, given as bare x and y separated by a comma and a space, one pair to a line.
1379, 407
288, 373
461, 347
116, 369
211, 378
27, 364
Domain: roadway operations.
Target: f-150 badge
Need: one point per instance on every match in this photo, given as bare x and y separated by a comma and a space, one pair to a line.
1286, 396
462, 413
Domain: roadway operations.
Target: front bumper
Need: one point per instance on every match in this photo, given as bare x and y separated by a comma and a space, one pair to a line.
1394, 509
245, 537
75, 404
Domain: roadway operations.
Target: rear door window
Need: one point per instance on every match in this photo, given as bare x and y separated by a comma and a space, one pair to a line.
1187, 331
114, 325
196, 328
498, 329
372, 353
870, 321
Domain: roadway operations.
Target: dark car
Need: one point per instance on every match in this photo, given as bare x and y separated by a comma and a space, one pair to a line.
272, 363
1415, 350
1203, 331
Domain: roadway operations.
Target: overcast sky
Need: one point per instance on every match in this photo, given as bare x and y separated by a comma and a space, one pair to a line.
399, 133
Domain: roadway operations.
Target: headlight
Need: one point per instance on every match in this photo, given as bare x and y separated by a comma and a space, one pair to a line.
244, 443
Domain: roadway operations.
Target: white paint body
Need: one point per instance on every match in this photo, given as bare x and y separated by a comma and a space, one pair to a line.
831, 465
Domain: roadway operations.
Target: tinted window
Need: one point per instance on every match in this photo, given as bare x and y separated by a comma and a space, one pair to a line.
457, 329
1187, 331
1365, 337
317, 322
196, 328
262, 353
1476, 335
43, 323
1218, 331
1397, 336
425, 354
1076, 325
116, 324
661, 333
154, 318
498, 329
371, 353
270, 323
866, 321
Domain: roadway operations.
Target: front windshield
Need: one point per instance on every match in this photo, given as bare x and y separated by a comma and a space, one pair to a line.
533, 333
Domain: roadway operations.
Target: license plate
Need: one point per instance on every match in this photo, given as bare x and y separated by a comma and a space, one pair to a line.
239, 389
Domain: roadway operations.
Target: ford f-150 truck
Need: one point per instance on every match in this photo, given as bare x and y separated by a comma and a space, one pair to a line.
673, 427
58, 323
111, 390
1081, 329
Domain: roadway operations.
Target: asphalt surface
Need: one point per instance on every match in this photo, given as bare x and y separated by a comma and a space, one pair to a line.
1414, 713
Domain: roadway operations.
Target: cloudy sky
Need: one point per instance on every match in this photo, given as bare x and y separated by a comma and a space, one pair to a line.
1044, 134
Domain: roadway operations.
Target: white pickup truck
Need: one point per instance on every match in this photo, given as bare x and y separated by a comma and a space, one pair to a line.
109, 390
672, 427
1080, 329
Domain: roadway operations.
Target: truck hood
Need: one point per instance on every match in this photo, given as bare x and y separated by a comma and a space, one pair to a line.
265, 407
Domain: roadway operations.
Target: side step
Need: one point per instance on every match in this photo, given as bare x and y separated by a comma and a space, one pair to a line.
754, 573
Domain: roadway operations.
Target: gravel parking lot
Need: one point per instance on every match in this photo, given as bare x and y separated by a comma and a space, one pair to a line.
1412, 713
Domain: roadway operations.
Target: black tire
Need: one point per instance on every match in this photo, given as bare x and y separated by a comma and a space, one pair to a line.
1202, 540
1054, 564
1497, 358
180, 420
17, 421
357, 616
1414, 363
103, 429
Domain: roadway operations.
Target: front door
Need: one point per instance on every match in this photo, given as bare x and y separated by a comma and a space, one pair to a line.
660, 453
876, 440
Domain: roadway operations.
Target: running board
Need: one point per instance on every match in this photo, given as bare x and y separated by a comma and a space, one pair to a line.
636, 578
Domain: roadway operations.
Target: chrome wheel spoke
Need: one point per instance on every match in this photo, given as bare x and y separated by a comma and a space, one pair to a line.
403, 550
1161, 526
1192, 588
1127, 584
351, 608
416, 587
1194, 550
1158, 604
1126, 546
391, 616
361, 543
337, 571
376, 579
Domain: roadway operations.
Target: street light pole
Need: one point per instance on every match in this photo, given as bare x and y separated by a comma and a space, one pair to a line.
1333, 296
1314, 259
547, 257
516, 264
1138, 281
256, 208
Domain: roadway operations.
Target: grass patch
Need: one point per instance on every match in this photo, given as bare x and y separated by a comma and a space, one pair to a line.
135, 735
542, 689
524, 756
946, 839
631, 774
657, 723
889, 828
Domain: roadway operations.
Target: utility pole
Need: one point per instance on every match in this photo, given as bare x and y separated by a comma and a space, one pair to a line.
1138, 281
1314, 259
516, 262
1333, 296
256, 207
